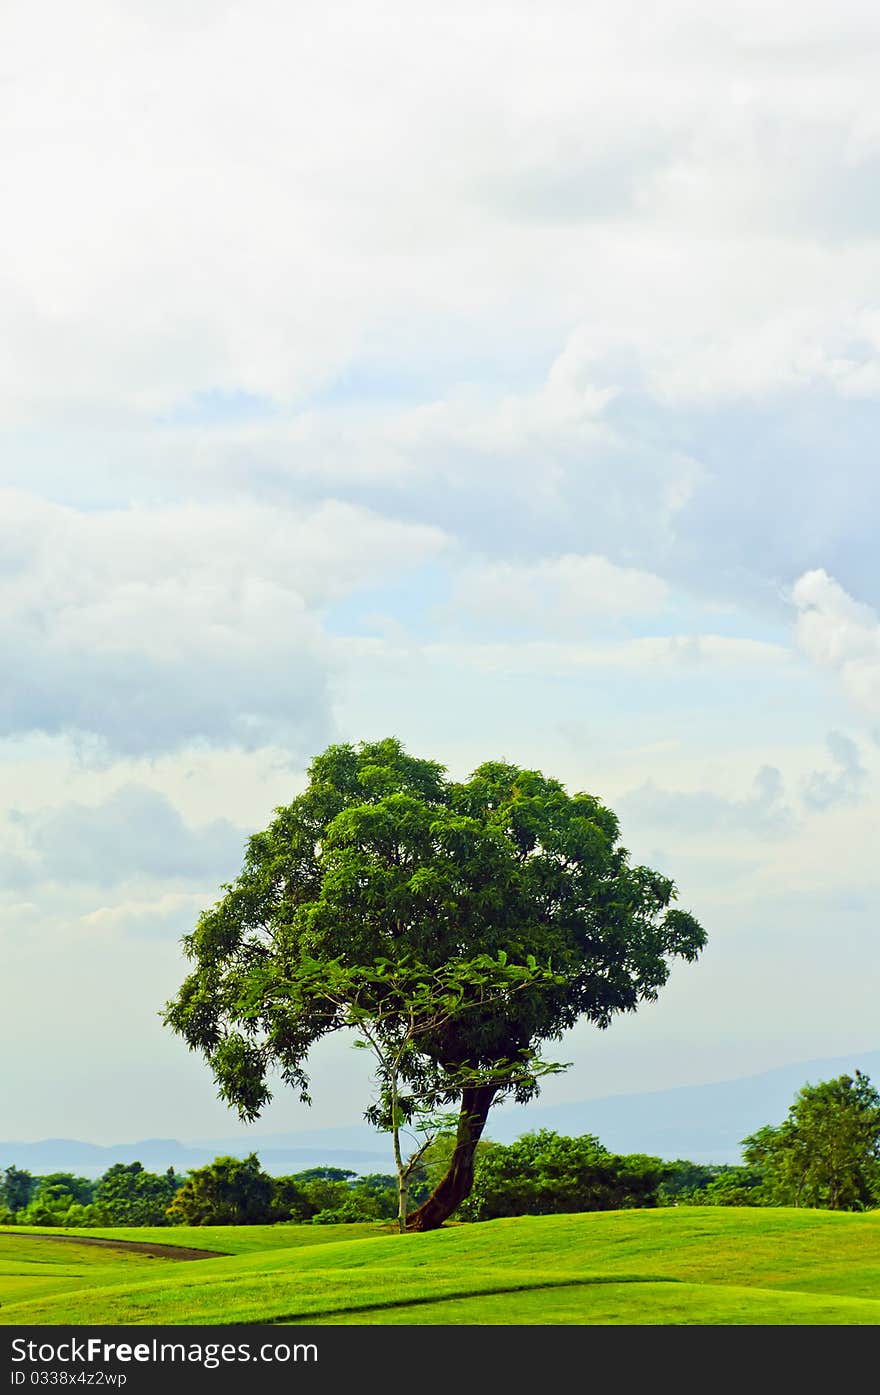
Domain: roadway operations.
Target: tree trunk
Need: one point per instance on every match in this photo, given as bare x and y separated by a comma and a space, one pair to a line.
476, 1101
402, 1170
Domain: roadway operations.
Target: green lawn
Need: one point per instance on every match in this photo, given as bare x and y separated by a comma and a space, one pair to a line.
684, 1265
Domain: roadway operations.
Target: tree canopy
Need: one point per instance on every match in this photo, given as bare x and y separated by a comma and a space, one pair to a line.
510, 896
17, 1186
826, 1153
228, 1191
545, 1172
127, 1194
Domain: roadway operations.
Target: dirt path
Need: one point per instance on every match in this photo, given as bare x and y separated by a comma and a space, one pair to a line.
144, 1247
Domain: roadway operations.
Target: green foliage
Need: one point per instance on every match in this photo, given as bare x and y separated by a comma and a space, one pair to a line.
124, 1195
53, 1184
323, 1193
376, 1183
53, 1210
290, 1199
324, 1174
544, 1173
229, 1191
435, 1160
456, 925
236, 1191
55, 1197
684, 1179
17, 1188
826, 1153
729, 1186
333, 1195
372, 1197
354, 1207
129, 1195
79, 1215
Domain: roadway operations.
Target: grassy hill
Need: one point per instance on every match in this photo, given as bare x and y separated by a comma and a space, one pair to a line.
685, 1265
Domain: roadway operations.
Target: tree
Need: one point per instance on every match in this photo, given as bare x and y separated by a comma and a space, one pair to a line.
727, 1185
330, 1194
48, 1211
321, 1193
290, 1199
383, 859
129, 1195
545, 1173
57, 1196
17, 1188
826, 1153
381, 1187
228, 1191
683, 1178
81, 1190
324, 1174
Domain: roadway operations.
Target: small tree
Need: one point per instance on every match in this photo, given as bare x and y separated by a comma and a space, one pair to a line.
81, 1190
291, 1200
729, 1185
17, 1188
50, 1211
382, 1188
229, 1191
683, 1178
61, 1198
827, 1152
382, 859
129, 1195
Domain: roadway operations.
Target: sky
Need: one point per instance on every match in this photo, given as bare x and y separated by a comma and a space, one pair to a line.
502, 378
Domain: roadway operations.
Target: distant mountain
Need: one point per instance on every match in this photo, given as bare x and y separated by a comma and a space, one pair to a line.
705, 1123
360, 1149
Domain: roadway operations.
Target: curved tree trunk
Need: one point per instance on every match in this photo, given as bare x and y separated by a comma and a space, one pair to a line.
476, 1101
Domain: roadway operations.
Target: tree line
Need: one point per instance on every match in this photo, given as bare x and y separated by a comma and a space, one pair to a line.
825, 1154
228, 1191
541, 1172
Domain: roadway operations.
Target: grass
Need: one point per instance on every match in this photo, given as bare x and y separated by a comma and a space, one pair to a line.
684, 1265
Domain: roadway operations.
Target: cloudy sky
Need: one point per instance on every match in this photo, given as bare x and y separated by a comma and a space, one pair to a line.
505, 378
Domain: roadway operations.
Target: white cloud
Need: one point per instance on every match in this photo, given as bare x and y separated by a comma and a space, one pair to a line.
153, 629
166, 916
840, 634
768, 808
545, 238
555, 595
254, 198
845, 783
650, 654
134, 833
569, 298
706, 813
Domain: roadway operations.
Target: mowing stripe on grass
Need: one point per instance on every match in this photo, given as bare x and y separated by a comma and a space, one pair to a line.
396, 1303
